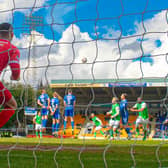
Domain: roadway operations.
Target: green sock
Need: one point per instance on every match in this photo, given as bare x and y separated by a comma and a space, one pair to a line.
40, 134
101, 132
95, 134
145, 129
116, 132
137, 131
111, 133
36, 133
145, 133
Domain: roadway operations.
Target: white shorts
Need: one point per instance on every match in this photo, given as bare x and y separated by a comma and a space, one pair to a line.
140, 120
38, 127
98, 128
114, 123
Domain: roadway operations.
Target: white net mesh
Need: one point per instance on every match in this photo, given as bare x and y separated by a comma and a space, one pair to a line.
101, 49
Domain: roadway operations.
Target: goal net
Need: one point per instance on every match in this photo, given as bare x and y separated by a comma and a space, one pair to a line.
99, 49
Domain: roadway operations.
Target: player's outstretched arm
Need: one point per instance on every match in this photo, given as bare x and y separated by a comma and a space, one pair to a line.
136, 110
108, 113
132, 109
140, 110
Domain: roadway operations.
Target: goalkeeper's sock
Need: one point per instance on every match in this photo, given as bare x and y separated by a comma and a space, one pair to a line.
65, 123
101, 132
36, 133
111, 133
5, 115
40, 134
95, 134
53, 128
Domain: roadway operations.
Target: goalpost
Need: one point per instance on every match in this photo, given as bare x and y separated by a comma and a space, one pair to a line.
96, 51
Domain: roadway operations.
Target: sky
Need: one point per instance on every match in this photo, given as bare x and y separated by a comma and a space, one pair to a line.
120, 39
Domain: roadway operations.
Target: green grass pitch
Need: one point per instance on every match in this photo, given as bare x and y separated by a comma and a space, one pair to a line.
32, 152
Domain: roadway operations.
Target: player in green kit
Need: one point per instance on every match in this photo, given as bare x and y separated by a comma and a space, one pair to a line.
114, 121
143, 117
98, 124
38, 124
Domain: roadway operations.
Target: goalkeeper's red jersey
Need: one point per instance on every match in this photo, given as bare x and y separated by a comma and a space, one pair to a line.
9, 55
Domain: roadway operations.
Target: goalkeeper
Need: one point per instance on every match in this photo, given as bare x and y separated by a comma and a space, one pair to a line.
98, 124
114, 121
9, 55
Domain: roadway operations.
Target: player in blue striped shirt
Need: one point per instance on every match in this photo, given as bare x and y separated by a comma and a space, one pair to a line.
54, 108
44, 102
69, 104
124, 113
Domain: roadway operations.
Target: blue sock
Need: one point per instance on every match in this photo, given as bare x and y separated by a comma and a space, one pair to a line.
43, 123
72, 124
128, 131
65, 122
53, 128
57, 127
46, 122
